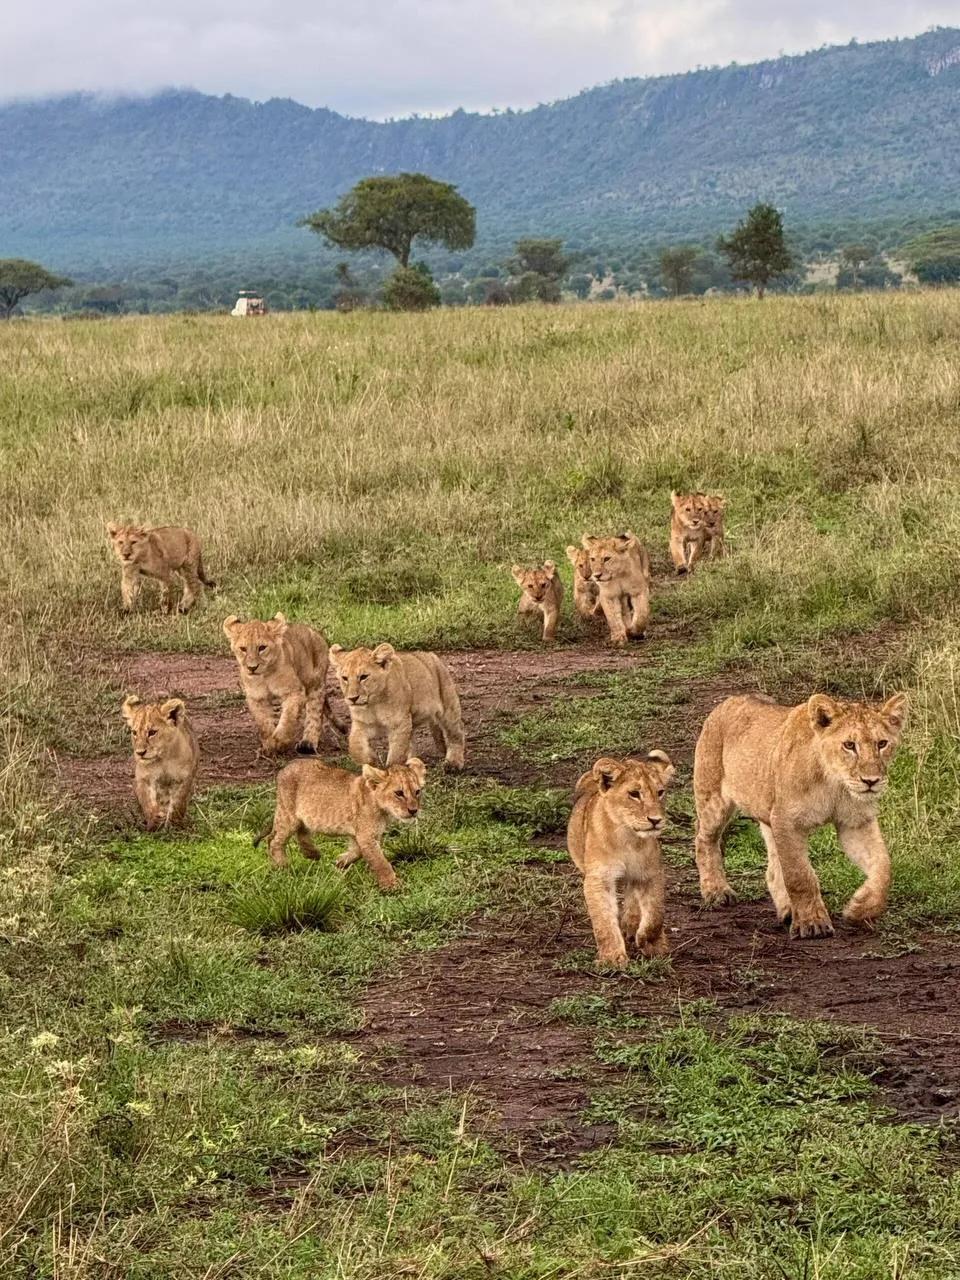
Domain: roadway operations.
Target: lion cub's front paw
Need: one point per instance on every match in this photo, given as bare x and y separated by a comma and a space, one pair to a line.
306, 748
812, 924
612, 959
650, 948
388, 884
723, 896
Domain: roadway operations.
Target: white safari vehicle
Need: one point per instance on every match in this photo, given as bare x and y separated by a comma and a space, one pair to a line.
249, 304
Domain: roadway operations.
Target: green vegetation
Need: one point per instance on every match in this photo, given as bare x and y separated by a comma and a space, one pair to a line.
186, 1083
18, 279
757, 250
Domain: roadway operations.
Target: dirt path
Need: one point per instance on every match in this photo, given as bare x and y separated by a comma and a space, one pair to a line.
475, 1016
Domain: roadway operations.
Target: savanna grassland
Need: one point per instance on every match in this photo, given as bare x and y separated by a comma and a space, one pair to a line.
209, 1069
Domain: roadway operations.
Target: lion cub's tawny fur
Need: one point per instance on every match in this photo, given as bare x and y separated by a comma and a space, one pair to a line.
284, 662
314, 797
390, 694
165, 758
688, 529
620, 567
586, 592
159, 553
541, 592
714, 506
793, 769
613, 837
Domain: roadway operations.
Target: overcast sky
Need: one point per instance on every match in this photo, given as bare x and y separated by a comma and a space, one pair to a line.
383, 58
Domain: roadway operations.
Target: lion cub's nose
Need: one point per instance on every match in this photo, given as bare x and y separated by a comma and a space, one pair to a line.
141, 751
654, 822
353, 697
869, 782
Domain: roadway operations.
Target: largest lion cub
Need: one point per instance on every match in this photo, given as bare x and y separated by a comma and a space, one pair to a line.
390, 694
794, 769
283, 662
159, 553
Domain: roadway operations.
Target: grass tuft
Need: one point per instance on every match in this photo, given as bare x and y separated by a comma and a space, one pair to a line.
287, 903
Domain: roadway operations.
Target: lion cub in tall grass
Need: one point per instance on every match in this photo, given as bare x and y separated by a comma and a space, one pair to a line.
541, 592
165, 758
316, 798
696, 528
159, 553
620, 567
284, 662
613, 837
390, 694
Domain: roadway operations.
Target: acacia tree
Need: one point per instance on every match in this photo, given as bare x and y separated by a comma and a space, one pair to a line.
676, 267
540, 265
757, 250
391, 212
19, 278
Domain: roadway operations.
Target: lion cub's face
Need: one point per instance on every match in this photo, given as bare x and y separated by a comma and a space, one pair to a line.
397, 790
154, 726
609, 558
581, 563
857, 742
129, 541
362, 672
690, 509
535, 582
633, 790
713, 508
257, 646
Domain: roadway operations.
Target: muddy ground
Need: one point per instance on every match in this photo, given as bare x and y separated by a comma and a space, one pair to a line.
474, 1016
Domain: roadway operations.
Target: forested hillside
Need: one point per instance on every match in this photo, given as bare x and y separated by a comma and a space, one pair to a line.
863, 131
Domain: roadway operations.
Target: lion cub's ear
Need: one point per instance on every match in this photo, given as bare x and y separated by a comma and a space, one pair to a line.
517, 575
665, 765
588, 540
382, 655
895, 710
674, 498
606, 770
372, 774
130, 704
173, 709
278, 625
418, 769
230, 625
549, 567
572, 554
113, 529
822, 710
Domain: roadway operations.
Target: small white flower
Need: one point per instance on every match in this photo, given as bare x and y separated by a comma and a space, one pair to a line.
45, 1040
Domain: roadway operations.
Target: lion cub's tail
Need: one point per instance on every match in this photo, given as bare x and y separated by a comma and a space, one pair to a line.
202, 575
263, 834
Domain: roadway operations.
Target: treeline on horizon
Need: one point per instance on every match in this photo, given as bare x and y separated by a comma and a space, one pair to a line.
845, 256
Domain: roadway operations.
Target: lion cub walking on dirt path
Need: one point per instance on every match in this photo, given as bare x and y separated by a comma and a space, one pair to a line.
390, 694
613, 837
165, 759
586, 592
284, 662
159, 553
620, 567
793, 769
317, 798
541, 592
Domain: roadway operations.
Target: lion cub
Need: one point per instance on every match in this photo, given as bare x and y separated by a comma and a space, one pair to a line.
390, 694
159, 553
314, 797
696, 528
541, 591
793, 769
620, 567
284, 662
612, 837
585, 591
165, 758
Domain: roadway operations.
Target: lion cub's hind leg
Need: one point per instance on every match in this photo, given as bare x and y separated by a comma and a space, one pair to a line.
191, 589
309, 743
307, 847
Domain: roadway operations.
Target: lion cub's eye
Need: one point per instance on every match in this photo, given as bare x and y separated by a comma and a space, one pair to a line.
261, 648
883, 743
399, 794
635, 795
416, 794
151, 733
364, 676
660, 794
243, 648
849, 746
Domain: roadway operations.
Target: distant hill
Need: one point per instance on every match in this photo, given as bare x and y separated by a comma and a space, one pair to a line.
859, 132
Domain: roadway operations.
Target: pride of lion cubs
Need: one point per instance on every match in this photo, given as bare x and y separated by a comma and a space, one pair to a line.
791, 769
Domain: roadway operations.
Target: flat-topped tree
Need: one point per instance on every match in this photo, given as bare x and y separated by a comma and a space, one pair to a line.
391, 212
19, 278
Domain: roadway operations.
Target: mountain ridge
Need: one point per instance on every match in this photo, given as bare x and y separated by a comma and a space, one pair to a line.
858, 131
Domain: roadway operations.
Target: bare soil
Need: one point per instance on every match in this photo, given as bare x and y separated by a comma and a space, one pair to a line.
474, 1017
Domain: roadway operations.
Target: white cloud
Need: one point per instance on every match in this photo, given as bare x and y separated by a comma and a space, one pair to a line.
393, 57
